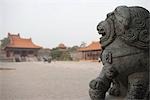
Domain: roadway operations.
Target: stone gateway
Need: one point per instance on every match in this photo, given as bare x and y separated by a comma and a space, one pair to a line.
125, 55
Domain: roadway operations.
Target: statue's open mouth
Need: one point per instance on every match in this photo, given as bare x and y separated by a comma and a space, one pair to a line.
102, 32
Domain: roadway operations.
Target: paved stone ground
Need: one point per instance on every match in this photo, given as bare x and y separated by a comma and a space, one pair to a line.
47, 81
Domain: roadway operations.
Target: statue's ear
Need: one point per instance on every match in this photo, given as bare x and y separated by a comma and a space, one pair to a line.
122, 15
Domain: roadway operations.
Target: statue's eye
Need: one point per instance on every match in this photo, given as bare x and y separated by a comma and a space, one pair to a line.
110, 14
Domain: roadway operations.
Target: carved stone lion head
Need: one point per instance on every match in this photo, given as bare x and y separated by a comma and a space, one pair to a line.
129, 24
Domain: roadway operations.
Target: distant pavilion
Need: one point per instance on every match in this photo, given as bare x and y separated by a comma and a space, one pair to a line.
21, 47
62, 47
91, 52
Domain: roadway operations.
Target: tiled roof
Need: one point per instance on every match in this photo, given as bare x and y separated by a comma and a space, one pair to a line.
91, 47
17, 42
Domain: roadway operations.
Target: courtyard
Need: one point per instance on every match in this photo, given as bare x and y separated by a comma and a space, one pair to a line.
47, 81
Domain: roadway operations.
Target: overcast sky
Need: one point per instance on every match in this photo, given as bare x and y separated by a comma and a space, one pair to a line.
50, 22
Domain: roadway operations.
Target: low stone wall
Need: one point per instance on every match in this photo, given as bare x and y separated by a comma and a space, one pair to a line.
6, 59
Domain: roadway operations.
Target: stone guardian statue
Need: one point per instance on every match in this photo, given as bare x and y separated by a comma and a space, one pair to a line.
125, 55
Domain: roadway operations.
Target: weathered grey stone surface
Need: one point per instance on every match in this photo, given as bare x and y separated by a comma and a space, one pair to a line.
125, 55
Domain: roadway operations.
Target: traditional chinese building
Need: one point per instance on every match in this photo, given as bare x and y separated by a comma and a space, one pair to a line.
20, 47
91, 52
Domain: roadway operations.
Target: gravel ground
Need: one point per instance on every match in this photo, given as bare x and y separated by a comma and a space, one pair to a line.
47, 81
